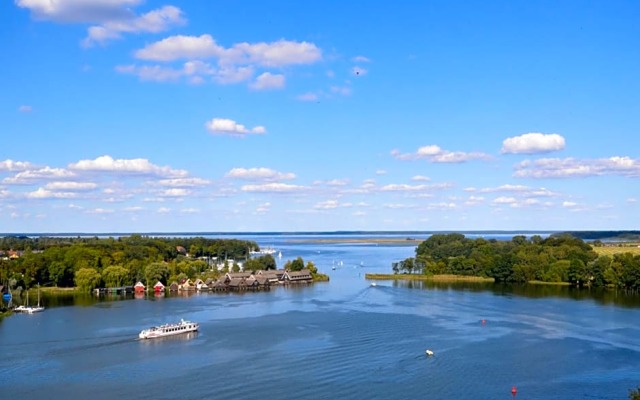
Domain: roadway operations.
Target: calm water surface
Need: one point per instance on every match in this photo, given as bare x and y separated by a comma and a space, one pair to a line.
339, 340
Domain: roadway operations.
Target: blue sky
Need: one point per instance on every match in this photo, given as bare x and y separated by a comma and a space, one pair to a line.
138, 116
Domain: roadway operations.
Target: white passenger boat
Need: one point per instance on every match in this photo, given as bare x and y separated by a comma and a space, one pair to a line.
169, 329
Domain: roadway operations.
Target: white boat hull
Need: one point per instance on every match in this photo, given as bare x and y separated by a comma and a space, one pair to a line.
169, 330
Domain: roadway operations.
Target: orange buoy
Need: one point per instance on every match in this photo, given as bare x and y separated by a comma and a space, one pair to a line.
514, 391
484, 322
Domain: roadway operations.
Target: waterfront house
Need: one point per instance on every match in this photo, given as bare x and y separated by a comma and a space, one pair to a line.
237, 284
139, 287
187, 285
302, 276
201, 285
173, 287
158, 287
233, 275
219, 286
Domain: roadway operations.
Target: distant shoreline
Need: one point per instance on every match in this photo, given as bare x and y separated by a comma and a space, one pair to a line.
408, 241
431, 278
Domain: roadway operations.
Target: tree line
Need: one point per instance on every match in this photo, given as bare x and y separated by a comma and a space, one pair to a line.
93, 262
558, 258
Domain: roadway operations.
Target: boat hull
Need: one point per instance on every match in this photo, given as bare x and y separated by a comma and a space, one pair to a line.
169, 330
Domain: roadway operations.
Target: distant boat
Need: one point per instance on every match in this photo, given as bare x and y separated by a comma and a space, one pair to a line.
429, 353
169, 330
374, 284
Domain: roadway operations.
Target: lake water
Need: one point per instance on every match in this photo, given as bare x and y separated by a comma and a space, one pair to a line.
344, 339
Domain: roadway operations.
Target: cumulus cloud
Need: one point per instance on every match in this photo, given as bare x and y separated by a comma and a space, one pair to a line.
230, 127
275, 54
532, 143
78, 11
435, 154
175, 192
519, 189
181, 47
135, 166
181, 182
273, 188
571, 167
268, 81
12, 166
29, 176
42, 193
266, 174
113, 17
154, 21
420, 178
70, 186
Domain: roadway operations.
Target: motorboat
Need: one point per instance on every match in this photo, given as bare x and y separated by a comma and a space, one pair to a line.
169, 329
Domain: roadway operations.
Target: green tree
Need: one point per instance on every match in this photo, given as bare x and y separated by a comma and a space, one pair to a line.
155, 272
115, 276
87, 279
634, 394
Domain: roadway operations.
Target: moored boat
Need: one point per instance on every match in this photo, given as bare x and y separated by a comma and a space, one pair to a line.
169, 329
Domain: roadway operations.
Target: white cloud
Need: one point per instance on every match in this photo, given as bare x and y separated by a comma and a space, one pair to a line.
327, 205
29, 176
154, 21
12, 166
189, 211
100, 211
308, 97
163, 210
435, 154
403, 188
155, 73
381, 172
268, 81
228, 126
175, 192
520, 189
532, 143
361, 59
72, 186
181, 47
266, 174
573, 168
136, 166
181, 182
420, 178
25, 109
280, 53
273, 188
79, 11
113, 17
275, 54
338, 182
42, 193
358, 71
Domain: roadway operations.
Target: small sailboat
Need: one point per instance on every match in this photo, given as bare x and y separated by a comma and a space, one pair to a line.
429, 352
31, 309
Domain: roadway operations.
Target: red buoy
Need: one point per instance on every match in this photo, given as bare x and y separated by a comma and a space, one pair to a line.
514, 390
484, 322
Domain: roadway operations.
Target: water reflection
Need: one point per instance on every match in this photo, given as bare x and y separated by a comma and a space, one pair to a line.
183, 337
600, 295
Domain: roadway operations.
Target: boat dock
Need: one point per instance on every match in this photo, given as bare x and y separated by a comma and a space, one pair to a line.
113, 290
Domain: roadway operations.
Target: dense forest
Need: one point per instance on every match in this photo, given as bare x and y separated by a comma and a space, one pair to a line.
93, 262
558, 258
